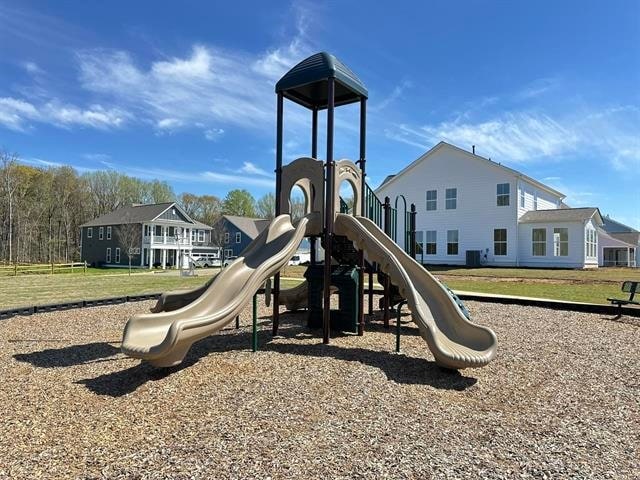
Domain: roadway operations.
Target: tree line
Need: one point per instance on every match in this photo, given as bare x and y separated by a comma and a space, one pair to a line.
42, 208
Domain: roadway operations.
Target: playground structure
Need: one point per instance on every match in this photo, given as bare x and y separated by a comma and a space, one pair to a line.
362, 238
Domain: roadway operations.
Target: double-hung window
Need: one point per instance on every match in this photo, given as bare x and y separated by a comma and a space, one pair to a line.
539, 242
419, 249
109, 233
451, 198
238, 237
452, 242
108, 256
117, 255
503, 191
560, 242
90, 232
431, 244
522, 198
432, 199
226, 237
500, 241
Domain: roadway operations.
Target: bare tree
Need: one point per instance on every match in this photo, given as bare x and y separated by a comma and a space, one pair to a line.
218, 234
9, 161
266, 206
129, 235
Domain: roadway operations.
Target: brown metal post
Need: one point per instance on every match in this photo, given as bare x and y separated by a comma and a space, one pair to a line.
314, 132
276, 278
371, 290
329, 213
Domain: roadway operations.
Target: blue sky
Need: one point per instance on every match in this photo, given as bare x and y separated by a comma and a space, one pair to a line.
184, 91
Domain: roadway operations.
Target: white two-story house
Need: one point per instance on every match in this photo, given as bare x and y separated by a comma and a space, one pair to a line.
468, 203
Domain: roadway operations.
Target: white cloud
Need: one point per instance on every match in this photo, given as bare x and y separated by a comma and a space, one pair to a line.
32, 68
213, 134
169, 124
17, 114
530, 136
393, 96
253, 169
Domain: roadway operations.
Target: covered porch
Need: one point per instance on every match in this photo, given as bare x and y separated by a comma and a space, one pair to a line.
619, 257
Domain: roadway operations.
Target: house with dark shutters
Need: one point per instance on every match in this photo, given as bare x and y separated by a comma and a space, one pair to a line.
154, 235
238, 232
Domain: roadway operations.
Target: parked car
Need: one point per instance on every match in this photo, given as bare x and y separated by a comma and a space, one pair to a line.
203, 262
300, 259
228, 260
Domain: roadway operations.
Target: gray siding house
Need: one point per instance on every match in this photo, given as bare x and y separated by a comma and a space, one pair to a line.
160, 235
238, 232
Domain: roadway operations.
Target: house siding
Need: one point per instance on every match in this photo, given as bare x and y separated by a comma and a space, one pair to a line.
576, 257
545, 200
477, 213
94, 250
232, 229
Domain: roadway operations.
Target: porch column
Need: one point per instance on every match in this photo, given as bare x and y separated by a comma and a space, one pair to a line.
164, 234
151, 257
628, 257
164, 258
142, 251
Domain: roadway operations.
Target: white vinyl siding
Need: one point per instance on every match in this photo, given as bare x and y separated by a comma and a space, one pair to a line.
539, 242
451, 198
560, 242
432, 200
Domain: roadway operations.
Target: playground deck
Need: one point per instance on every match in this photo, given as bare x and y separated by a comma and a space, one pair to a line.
560, 399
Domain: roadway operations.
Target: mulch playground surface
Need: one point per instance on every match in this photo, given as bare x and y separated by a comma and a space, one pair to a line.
561, 400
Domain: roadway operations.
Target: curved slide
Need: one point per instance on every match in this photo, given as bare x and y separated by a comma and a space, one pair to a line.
164, 338
454, 341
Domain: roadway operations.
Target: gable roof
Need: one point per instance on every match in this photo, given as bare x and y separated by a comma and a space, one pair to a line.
132, 214
562, 215
487, 161
250, 226
632, 238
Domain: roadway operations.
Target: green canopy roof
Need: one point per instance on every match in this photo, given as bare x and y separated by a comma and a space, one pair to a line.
306, 83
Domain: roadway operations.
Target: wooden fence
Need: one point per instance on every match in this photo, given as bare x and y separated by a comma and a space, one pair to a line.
42, 268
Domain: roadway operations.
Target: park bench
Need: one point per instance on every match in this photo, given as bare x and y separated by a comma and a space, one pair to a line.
627, 287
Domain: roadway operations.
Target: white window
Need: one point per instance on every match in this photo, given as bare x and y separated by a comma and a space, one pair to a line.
539, 242
238, 237
591, 242
108, 233
503, 192
90, 232
431, 242
560, 242
500, 241
432, 199
201, 235
193, 235
228, 253
451, 198
117, 255
452, 242
226, 237
101, 233
522, 198
108, 259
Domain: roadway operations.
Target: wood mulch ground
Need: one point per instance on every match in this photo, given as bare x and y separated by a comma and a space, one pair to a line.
561, 400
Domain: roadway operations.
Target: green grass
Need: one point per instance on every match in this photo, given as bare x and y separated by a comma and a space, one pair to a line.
42, 289
593, 275
574, 292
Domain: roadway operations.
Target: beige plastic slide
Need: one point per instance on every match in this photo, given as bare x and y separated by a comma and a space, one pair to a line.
164, 338
294, 298
176, 299
454, 341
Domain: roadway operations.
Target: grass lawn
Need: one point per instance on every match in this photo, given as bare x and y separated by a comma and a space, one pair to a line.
41, 289
601, 275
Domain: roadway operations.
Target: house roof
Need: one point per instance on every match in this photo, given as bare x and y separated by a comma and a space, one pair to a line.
632, 238
250, 226
306, 83
202, 226
562, 215
130, 214
442, 144
613, 226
